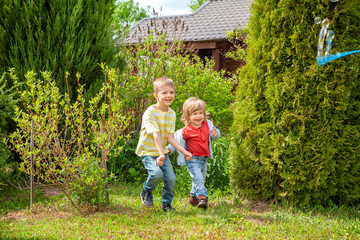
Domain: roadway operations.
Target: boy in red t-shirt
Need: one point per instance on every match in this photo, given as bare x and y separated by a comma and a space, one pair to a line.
196, 137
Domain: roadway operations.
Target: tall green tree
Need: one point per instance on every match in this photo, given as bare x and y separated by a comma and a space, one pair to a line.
61, 36
127, 14
296, 129
7, 106
195, 4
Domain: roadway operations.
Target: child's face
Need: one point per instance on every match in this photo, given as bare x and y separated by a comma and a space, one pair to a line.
165, 96
196, 118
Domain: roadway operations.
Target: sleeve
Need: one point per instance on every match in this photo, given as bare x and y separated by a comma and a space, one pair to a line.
211, 127
172, 130
179, 139
185, 133
150, 123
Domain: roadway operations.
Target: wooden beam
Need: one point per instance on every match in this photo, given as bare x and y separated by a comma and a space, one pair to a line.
201, 45
217, 59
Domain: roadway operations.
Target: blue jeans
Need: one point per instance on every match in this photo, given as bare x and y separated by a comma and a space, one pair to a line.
156, 174
197, 167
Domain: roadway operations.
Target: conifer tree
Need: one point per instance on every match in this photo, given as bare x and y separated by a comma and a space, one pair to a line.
61, 36
296, 129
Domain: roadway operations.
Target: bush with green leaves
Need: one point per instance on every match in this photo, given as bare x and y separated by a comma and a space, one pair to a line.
71, 143
127, 166
296, 130
218, 167
183, 180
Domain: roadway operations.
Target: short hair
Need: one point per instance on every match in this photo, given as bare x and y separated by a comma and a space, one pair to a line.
163, 81
191, 105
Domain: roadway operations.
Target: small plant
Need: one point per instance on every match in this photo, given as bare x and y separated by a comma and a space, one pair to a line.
183, 178
126, 166
91, 185
218, 167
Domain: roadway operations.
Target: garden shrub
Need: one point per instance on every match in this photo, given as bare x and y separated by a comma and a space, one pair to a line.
296, 126
218, 167
72, 143
127, 166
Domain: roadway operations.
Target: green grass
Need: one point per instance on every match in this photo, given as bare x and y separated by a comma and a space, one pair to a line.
126, 218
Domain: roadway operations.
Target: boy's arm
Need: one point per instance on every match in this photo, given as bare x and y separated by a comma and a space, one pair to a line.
158, 143
214, 132
171, 139
178, 138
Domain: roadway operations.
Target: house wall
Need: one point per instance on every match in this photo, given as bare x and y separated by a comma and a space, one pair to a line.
216, 50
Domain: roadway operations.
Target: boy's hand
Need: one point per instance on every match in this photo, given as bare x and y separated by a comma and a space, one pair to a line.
213, 132
188, 155
160, 160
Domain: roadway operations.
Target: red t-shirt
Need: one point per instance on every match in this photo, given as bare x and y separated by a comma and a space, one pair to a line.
197, 139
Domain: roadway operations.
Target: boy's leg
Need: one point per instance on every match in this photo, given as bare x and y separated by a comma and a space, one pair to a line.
204, 168
192, 193
203, 200
169, 178
196, 169
155, 174
154, 177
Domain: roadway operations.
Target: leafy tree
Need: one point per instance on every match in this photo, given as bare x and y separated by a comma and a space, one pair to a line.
127, 14
59, 36
296, 130
195, 4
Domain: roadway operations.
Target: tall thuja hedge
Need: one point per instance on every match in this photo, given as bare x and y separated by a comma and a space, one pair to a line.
58, 36
296, 129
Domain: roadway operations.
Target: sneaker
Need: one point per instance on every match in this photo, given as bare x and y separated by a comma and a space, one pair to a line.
167, 207
147, 198
193, 201
203, 202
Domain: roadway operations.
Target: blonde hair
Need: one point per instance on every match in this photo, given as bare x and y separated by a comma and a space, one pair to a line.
163, 81
191, 105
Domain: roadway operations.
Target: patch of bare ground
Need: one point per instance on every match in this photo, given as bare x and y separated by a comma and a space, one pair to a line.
224, 202
33, 215
261, 207
50, 191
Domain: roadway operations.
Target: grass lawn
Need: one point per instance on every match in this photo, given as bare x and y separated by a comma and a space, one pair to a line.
126, 218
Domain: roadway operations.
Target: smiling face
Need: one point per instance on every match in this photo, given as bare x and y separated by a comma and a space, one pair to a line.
165, 97
197, 118
194, 112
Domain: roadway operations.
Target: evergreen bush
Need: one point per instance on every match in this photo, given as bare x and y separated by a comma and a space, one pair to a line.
59, 36
7, 105
296, 125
